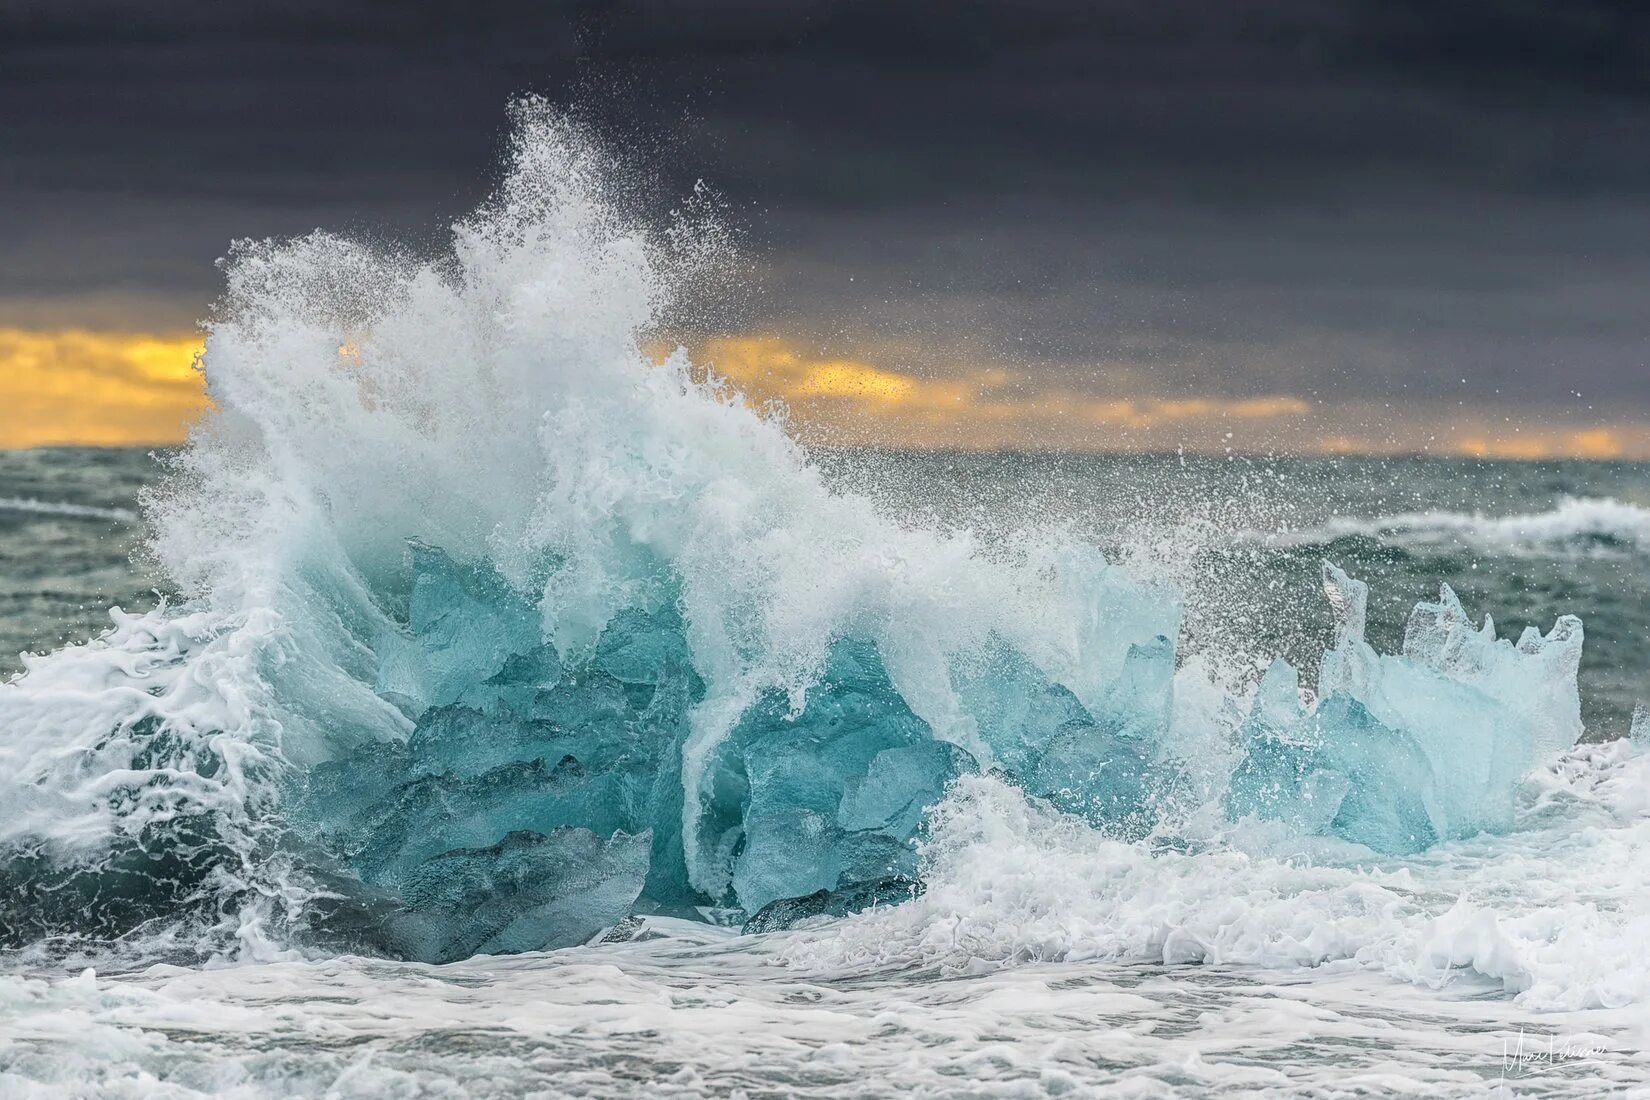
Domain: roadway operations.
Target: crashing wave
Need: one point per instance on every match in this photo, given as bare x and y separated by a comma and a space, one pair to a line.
495, 632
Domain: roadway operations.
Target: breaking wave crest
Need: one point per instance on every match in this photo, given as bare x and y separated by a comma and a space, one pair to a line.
31, 506
1574, 524
495, 632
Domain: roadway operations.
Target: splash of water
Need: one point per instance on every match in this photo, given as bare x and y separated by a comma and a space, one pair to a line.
496, 631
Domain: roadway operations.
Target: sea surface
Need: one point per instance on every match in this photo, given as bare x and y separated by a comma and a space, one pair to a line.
686, 1009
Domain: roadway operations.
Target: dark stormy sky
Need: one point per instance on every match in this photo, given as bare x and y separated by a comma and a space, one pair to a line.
1431, 205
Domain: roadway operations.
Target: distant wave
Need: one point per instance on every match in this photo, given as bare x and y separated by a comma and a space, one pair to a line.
1576, 523
58, 508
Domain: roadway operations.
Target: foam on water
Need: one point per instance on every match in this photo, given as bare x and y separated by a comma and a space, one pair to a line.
685, 1011
1549, 912
494, 632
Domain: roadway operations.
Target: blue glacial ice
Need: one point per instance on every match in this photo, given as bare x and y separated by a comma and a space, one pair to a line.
537, 801
521, 771
1403, 751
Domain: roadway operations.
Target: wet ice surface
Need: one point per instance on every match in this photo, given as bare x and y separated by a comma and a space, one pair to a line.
700, 1013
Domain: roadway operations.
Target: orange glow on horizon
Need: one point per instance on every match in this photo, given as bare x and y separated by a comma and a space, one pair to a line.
77, 387
857, 401
1595, 443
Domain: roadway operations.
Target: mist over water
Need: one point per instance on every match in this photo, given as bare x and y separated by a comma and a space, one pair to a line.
485, 635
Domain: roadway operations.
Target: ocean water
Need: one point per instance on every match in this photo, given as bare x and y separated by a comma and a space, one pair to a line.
477, 707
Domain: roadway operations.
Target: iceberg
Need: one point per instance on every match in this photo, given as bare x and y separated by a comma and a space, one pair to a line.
831, 797
521, 765
1403, 751
536, 801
